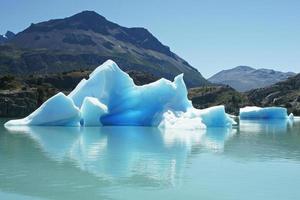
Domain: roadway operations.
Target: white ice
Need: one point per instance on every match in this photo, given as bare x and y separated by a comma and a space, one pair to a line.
91, 111
253, 112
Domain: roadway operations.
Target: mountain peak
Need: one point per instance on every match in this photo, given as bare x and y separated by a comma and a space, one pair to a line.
91, 21
6, 37
9, 34
88, 15
244, 68
85, 20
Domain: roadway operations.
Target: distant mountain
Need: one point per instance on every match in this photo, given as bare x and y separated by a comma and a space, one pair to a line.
84, 41
285, 94
244, 78
6, 37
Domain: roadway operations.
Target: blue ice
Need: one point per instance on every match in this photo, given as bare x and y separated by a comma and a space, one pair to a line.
253, 112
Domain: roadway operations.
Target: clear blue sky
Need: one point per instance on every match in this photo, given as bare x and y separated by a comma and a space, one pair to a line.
211, 35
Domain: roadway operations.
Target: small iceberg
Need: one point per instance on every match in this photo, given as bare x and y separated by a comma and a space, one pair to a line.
109, 97
268, 113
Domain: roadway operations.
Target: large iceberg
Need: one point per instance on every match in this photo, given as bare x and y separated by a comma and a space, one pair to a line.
109, 97
253, 112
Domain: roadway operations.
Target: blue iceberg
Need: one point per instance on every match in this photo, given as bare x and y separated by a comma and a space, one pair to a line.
109, 97
268, 113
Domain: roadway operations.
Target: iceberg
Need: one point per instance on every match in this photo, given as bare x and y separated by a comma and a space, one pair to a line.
253, 112
109, 97
113, 152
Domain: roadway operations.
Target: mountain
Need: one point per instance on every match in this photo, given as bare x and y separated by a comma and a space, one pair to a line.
285, 94
84, 41
244, 78
6, 37
2, 39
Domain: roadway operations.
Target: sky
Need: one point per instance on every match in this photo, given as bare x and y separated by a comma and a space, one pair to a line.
212, 35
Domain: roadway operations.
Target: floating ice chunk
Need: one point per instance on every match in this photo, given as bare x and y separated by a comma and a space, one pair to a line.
110, 97
253, 112
91, 111
181, 120
197, 119
291, 116
216, 117
58, 110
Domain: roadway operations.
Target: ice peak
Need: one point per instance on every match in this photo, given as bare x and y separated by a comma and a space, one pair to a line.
107, 65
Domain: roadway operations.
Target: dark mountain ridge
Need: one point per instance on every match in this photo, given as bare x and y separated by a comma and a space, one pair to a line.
84, 41
90, 20
6, 37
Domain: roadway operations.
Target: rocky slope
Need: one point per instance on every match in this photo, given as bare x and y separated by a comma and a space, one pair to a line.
207, 96
86, 40
244, 78
285, 94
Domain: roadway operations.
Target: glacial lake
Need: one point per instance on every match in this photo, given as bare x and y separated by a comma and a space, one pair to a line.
258, 160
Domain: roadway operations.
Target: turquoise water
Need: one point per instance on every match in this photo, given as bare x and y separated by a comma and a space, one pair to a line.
259, 160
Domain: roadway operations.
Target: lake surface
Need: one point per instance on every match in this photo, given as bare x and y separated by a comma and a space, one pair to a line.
258, 160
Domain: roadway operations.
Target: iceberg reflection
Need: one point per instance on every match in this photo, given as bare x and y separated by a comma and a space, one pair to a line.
155, 155
265, 140
99, 160
275, 126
